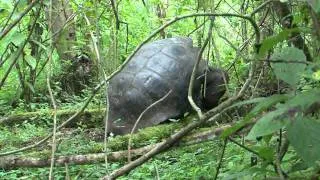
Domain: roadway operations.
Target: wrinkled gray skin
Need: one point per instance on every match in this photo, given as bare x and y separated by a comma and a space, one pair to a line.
156, 69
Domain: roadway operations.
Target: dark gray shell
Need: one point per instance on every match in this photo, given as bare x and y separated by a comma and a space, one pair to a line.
156, 69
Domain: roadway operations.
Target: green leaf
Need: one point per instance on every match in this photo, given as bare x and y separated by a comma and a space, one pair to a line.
17, 38
303, 134
270, 42
266, 152
279, 118
40, 44
30, 86
268, 124
263, 104
31, 61
290, 68
315, 4
304, 100
268, 102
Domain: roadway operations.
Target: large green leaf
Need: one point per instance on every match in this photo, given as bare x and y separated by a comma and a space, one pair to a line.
279, 118
17, 38
289, 64
268, 124
266, 152
270, 42
268, 102
303, 134
304, 100
263, 104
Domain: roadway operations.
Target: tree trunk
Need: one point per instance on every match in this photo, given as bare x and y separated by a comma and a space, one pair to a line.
63, 32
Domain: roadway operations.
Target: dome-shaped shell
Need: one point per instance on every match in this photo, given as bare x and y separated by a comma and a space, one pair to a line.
157, 68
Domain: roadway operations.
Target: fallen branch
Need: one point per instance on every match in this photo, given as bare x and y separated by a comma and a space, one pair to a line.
138, 120
14, 162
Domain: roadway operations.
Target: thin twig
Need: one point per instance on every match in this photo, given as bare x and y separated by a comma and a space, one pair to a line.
197, 28
256, 153
157, 171
3, 54
138, 120
238, 50
67, 177
244, 147
260, 7
97, 53
70, 18
221, 158
195, 69
18, 19
278, 157
54, 130
11, 14
17, 55
115, 12
54, 145
105, 137
258, 80
44, 64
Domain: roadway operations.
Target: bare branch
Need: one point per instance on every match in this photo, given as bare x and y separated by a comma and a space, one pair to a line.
194, 71
260, 7
138, 120
54, 145
11, 14
115, 12
14, 162
54, 130
221, 158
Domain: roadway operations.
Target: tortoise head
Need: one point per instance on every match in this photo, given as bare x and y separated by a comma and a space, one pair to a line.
215, 87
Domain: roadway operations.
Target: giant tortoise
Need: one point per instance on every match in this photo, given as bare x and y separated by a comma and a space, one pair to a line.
157, 68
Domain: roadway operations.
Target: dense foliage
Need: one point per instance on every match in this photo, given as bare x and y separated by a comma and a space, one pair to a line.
54, 53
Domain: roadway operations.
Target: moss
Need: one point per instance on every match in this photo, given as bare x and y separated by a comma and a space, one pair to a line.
149, 135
